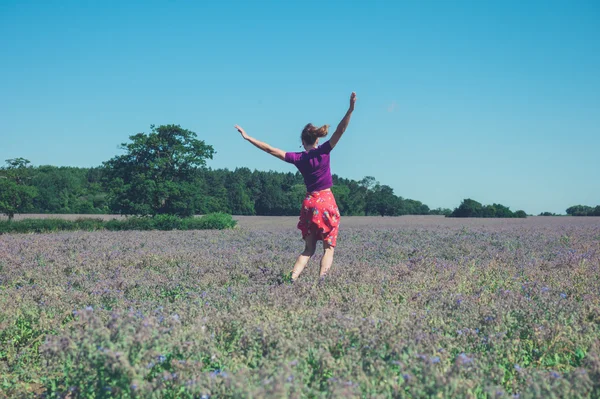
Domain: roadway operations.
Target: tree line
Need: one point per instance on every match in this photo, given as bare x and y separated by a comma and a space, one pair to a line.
72, 190
165, 172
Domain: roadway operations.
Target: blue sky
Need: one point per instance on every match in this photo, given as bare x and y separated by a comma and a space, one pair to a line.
498, 101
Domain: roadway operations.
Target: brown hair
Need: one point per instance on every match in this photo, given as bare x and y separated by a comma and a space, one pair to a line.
310, 133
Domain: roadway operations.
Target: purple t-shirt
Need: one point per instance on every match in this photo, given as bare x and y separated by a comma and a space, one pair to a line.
314, 166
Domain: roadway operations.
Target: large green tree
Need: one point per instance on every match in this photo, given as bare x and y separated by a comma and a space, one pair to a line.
15, 195
157, 173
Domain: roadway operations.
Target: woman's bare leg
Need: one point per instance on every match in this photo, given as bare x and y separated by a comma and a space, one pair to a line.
302, 261
327, 258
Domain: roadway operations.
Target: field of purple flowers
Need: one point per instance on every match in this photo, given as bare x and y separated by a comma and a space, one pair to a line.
413, 308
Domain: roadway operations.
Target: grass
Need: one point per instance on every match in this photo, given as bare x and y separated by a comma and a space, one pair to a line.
416, 308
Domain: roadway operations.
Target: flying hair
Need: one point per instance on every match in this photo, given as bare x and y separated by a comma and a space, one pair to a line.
311, 133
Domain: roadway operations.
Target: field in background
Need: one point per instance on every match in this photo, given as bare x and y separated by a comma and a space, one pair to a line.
415, 306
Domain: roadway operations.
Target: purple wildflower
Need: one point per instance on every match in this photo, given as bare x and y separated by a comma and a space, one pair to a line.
464, 359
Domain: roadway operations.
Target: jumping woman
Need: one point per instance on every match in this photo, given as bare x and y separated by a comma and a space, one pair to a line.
319, 215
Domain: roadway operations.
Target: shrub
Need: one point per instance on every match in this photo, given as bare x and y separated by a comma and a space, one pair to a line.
130, 223
89, 224
167, 222
36, 226
113, 225
213, 221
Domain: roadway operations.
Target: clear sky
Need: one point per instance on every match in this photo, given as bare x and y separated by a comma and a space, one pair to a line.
498, 101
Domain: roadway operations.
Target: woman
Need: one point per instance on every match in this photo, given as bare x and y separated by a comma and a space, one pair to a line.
319, 215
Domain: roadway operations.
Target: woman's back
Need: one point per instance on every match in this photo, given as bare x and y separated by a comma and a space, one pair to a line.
314, 166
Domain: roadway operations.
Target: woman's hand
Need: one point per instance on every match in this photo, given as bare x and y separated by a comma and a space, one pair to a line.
352, 101
242, 132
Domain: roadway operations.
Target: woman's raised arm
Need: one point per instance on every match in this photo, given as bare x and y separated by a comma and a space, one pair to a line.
276, 152
341, 128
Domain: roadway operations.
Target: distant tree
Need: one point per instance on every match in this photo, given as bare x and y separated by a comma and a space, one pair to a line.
547, 214
156, 174
411, 207
382, 201
501, 211
368, 182
441, 211
59, 189
15, 195
212, 194
472, 209
583, 210
272, 199
18, 170
15, 198
296, 196
342, 195
239, 201
520, 214
352, 203
468, 209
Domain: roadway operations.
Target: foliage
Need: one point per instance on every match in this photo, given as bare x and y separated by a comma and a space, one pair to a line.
213, 221
441, 211
583, 210
67, 190
368, 197
156, 175
49, 225
139, 223
520, 214
455, 308
472, 209
382, 200
15, 198
15, 195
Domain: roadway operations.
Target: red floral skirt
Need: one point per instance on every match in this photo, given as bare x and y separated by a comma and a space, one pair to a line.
320, 215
